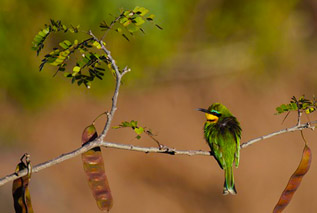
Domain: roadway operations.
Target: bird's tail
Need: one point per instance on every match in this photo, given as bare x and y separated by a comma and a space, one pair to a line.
229, 186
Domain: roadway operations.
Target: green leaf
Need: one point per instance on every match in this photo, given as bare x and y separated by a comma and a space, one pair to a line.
139, 130
310, 110
305, 105
134, 124
293, 106
68, 43
279, 110
123, 20
138, 21
133, 28
140, 11
138, 137
76, 69
97, 45
284, 107
136, 9
126, 23
125, 124
43, 32
150, 17
127, 13
63, 45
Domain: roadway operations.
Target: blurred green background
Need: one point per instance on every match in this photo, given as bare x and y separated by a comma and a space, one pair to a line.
262, 39
250, 55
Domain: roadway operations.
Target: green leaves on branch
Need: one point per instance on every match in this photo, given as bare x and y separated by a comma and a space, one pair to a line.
134, 125
138, 130
302, 104
130, 21
93, 63
54, 26
89, 63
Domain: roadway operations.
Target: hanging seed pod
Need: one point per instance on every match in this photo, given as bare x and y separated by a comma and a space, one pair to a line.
95, 171
20, 187
294, 181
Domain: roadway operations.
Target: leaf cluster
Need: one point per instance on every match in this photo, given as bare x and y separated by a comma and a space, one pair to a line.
90, 64
60, 55
53, 26
134, 125
130, 21
89, 60
302, 104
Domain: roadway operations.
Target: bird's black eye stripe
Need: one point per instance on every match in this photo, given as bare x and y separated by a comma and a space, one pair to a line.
216, 114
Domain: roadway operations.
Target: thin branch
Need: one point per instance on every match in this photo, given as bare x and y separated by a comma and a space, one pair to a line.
164, 150
117, 87
108, 53
299, 113
300, 127
111, 25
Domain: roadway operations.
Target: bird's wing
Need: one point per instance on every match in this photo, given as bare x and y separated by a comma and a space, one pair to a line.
217, 152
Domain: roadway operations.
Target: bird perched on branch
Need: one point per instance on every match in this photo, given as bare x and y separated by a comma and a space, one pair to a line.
223, 132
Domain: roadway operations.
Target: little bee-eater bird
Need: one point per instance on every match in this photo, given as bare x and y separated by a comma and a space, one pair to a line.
223, 132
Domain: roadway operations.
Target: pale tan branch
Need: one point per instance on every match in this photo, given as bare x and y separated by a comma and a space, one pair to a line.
308, 125
164, 150
119, 76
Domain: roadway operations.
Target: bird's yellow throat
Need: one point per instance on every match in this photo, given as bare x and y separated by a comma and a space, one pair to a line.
211, 118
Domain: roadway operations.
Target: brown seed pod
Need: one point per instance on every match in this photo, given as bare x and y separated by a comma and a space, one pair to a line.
20, 187
294, 181
94, 167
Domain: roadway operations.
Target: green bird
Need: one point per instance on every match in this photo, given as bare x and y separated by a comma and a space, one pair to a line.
223, 132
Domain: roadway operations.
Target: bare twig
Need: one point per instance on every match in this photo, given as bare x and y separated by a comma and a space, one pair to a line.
300, 127
164, 150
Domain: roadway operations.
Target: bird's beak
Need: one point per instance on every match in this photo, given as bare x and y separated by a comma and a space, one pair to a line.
203, 110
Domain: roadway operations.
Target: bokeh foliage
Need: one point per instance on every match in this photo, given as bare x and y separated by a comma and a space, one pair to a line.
260, 36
